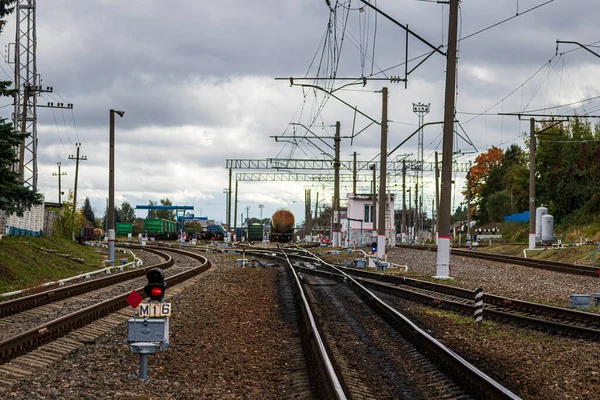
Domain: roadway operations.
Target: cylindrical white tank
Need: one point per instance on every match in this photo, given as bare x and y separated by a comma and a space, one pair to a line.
547, 228
539, 214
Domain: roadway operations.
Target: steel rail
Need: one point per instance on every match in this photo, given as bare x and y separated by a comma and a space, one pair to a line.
33, 338
333, 384
20, 304
471, 378
576, 269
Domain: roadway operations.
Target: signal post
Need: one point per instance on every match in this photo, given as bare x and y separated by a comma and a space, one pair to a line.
148, 330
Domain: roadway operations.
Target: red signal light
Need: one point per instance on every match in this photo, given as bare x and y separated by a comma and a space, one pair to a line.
156, 291
156, 284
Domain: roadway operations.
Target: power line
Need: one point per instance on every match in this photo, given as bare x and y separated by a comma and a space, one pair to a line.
505, 20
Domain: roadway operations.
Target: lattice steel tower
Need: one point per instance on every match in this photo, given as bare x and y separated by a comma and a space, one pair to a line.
26, 82
421, 110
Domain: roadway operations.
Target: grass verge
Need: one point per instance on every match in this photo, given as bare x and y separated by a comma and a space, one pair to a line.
24, 263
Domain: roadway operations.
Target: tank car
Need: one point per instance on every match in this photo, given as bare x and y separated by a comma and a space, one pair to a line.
282, 226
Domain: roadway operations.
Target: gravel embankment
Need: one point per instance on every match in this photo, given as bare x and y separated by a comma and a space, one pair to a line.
514, 281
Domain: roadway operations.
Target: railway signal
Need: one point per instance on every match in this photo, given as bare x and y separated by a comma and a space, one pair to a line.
155, 289
148, 330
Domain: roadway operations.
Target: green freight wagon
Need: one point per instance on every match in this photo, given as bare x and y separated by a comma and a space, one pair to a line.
160, 229
153, 226
123, 228
255, 232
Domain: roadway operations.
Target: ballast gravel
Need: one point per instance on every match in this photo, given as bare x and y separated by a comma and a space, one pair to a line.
228, 341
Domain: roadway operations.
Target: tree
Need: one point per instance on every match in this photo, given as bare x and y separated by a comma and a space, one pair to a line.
126, 213
15, 197
498, 205
166, 214
69, 222
193, 227
485, 178
88, 212
152, 214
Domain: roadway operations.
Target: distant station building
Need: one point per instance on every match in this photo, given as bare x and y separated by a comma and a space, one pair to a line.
360, 208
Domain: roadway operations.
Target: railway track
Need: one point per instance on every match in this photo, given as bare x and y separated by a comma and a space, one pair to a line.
576, 269
545, 318
24, 303
441, 371
51, 340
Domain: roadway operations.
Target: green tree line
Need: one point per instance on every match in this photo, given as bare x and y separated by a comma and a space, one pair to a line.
567, 175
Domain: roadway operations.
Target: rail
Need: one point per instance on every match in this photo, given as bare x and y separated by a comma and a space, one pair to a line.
29, 340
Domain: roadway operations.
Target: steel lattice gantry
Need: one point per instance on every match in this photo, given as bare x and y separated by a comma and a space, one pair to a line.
316, 178
392, 167
26, 77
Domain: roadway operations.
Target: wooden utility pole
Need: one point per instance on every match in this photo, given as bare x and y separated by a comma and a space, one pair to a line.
443, 253
77, 159
336, 189
382, 175
59, 174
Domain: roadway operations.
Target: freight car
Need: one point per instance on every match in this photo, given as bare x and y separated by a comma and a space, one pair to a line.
255, 232
86, 233
123, 228
213, 231
160, 229
282, 226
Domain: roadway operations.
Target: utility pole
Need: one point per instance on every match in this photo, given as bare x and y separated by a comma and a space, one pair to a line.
443, 253
409, 215
354, 174
382, 176
417, 217
307, 215
235, 213
76, 158
373, 215
229, 207
261, 206
532, 183
469, 206
317, 211
336, 187
437, 197
59, 174
247, 215
404, 236
110, 213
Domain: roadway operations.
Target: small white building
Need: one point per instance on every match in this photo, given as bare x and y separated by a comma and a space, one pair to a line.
360, 208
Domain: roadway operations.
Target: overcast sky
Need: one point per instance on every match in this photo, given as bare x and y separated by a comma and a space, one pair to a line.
196, 81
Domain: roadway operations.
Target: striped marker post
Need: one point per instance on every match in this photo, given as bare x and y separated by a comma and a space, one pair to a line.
478, 305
